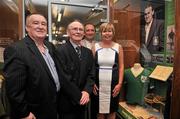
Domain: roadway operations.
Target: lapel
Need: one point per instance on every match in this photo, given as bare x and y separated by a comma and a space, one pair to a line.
33, 48
83, 55
73, 55
76, 61
151, 32
83, 63
143, 35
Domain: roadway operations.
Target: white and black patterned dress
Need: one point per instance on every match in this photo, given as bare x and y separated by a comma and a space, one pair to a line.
106, 77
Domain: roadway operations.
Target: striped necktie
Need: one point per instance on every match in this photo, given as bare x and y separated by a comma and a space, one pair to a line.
78, 50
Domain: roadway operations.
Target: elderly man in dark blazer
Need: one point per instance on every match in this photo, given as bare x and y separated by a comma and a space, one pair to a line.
79, 66
32, 81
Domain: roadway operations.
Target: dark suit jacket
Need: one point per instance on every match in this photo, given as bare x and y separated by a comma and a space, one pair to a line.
157, 29
80, 76
29, 84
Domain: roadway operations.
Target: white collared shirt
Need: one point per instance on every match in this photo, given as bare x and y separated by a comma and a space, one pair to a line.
147, 29
51, 65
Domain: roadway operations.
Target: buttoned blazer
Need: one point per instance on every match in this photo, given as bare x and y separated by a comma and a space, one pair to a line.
29, 83
80, 75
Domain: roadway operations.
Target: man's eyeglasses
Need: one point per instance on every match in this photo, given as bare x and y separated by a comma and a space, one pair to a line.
77, 29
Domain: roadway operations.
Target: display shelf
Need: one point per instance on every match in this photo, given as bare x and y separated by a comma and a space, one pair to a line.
138, 112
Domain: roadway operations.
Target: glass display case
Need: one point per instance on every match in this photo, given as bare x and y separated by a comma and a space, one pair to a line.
146, 30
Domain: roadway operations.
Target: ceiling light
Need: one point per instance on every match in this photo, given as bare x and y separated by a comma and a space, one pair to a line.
59, 17
12, 5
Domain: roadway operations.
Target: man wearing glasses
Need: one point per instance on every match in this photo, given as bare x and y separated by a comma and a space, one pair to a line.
78, 64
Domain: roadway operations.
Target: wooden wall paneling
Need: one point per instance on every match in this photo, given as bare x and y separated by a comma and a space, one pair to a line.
175, 103
111, 10
8, 22
20, 19
8, 25
120, 23
127, 25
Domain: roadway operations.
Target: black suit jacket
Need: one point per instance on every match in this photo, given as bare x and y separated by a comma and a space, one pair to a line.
80, 76
157, 29
29, 84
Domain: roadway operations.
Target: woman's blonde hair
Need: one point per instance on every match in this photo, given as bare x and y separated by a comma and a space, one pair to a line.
106, 27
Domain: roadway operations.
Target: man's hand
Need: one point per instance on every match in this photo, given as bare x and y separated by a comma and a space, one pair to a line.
85, 98
30, 116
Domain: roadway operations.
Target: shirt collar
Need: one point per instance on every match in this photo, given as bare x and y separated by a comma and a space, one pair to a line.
73, 44
147, 25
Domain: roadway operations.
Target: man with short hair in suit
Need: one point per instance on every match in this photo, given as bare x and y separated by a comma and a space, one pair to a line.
31, 78
152, 35
79, 66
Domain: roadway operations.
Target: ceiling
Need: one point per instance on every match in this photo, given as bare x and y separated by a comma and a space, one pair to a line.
42, 5
73, 9
45, 2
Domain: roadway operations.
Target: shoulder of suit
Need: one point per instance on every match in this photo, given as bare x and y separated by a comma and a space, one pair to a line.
18, 47
60, 46
65, 47
159, 21
18, 44
85, 48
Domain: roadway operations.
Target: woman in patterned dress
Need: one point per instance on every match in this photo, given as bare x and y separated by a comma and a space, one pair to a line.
109, 73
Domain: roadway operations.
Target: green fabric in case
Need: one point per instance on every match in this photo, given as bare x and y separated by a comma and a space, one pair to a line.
137, 87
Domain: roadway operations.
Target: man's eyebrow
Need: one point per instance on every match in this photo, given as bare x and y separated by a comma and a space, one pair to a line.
147, 13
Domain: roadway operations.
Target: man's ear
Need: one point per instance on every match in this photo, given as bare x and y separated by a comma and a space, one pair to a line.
26, 28
152, 12
68, 33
